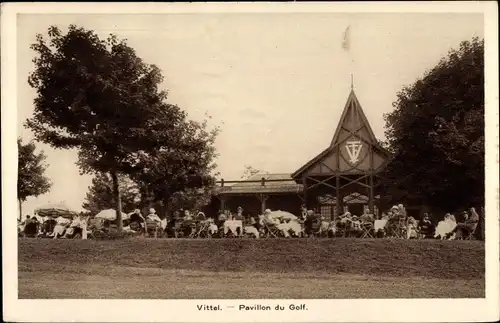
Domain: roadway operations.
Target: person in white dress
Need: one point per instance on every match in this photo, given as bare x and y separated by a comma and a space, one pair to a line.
61, 224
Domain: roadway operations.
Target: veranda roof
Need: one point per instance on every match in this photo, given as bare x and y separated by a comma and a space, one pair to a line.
274, 183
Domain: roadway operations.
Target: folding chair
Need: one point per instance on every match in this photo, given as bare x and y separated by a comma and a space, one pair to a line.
271, 230
367, 228
152, 227
469, 234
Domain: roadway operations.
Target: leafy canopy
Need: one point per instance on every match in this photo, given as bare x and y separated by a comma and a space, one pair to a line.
31, 179
100, 195
436, 132
98, 96
182, 174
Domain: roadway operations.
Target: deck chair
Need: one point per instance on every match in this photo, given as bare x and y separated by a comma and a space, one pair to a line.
271, 230
152, 228
189, 226
342, 229
202, 229
367, 228
469, 234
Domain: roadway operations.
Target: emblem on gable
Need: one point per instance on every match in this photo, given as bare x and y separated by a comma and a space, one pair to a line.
353, 149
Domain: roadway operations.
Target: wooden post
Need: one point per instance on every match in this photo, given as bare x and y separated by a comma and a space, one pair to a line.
223, 203
304, 189
337, 192
370, 201
262, 198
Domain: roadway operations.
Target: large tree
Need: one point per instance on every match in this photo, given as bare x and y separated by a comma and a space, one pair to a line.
182, 174
100, 195
98, 96
436, 132
31, 179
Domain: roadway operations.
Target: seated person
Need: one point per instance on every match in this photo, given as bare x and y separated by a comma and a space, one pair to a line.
200, 216
470, 223
239, 215
75, 223
411, 229
222, 217
426, 227
187, 216
355, 224
61, 225
367, 217
152, 216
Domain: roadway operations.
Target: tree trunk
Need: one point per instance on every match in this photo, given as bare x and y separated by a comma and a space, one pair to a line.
20, 209
166, 211
116, 193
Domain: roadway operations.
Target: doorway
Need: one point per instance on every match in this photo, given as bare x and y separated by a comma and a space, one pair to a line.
356, 208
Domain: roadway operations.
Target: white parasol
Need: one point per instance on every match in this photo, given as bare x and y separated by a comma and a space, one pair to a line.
282, 215
110, 215
55, 210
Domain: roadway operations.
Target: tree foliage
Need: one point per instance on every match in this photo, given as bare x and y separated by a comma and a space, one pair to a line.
249, 172
181, 174
100, 97
436, 132
31, 179
100, 195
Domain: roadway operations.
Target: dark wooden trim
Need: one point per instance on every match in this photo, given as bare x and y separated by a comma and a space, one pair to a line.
323, 182
356, 181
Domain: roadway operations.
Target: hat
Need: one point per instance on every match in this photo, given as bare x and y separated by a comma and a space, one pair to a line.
267, 211
394, 207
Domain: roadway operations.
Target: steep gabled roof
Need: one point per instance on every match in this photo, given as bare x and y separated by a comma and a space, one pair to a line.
352, 111
353, 107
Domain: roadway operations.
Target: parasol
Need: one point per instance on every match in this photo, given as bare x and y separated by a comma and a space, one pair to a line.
282, 215
110, 215
55, 211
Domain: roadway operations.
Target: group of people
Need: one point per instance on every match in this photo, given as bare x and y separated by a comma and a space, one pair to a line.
60, 227
395, 222
448, 228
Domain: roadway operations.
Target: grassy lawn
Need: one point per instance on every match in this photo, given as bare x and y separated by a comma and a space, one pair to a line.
233, 268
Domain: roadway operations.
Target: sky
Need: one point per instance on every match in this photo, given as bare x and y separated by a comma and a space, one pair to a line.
275, 83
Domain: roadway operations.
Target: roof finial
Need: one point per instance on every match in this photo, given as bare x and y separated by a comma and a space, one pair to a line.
352, 82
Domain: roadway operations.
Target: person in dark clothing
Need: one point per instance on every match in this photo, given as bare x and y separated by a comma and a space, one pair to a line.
469, 225
426, 228
309, 222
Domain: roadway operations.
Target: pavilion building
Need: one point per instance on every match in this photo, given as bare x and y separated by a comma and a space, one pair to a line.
343, 177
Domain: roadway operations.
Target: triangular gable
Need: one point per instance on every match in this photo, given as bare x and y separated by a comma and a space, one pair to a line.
353, 126
353, 120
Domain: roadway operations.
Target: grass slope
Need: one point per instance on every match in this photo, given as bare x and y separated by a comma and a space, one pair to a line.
233, 268
393, 258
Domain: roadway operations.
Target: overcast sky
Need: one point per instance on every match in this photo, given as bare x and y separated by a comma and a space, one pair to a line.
275, 83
